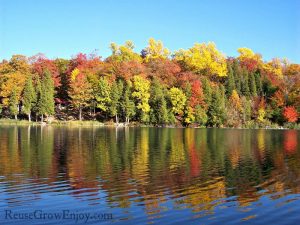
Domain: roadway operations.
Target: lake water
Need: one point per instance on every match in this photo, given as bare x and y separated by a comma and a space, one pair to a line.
58, 175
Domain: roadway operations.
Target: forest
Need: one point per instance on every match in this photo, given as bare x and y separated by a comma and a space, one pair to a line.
197, 87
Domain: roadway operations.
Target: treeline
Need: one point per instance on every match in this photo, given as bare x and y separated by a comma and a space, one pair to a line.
194, 87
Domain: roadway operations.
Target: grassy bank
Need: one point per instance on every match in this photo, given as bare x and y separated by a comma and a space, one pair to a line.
56, 123
91, 123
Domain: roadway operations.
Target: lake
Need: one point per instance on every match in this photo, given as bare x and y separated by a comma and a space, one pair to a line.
65, 175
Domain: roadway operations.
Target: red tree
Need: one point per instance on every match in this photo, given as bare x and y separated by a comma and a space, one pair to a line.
197, 97
40, 63
290, 114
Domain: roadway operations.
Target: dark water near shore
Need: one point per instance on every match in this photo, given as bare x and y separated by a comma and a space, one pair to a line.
149, 176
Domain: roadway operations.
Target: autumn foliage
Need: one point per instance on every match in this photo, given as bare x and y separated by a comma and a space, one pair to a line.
290, 114
198, 86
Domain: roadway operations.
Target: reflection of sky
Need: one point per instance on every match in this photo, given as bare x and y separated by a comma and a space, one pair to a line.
226, 209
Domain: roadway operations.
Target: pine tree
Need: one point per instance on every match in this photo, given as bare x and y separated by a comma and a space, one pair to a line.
29, 97
46, 101
237, 74
216, 111
252, 84
115, 95
223, 95
258, 83
128, 106
103, 94
230, 84
200, 115
38, 90
246, 110
207, 91
13, 104
158, 104
245, 84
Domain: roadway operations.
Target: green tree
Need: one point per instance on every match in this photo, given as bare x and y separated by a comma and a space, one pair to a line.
14, 104
252, 84
207, 91
158, 104
230, 84
200, 115
46, 101
246, 110
29, 97
258, 83
115, 96
102, 94
245, 84
127, 103
237, 73
38, 90
216, 111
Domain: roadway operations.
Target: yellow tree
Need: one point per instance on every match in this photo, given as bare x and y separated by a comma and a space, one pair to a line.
141, 92
155, 50
203, 59
178, 100
274, 67
235, 100
124, 53
234, 110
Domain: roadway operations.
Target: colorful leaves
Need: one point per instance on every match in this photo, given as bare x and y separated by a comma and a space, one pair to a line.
203, 59
290, 114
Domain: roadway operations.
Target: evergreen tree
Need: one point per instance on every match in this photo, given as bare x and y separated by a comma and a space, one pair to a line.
216, 111
115, 96
14, 104
46, 101
207, 91
237, 73
252, 84
246, 110
223, 95
158, 104
128, 106
230, 84
29, 97
200, 115
103, 94
38, 90
258, 83
245, 84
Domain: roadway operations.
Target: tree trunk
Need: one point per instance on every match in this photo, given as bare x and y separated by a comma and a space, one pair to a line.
42, 118
29, 117
16, 117
117, 119
80, 111
94, 110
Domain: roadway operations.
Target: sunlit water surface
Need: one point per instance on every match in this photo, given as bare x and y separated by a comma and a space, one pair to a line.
150, 175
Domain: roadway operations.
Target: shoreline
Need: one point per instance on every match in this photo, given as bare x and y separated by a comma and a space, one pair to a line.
92, 123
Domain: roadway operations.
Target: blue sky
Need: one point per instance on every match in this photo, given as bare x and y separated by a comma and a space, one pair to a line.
62, 28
